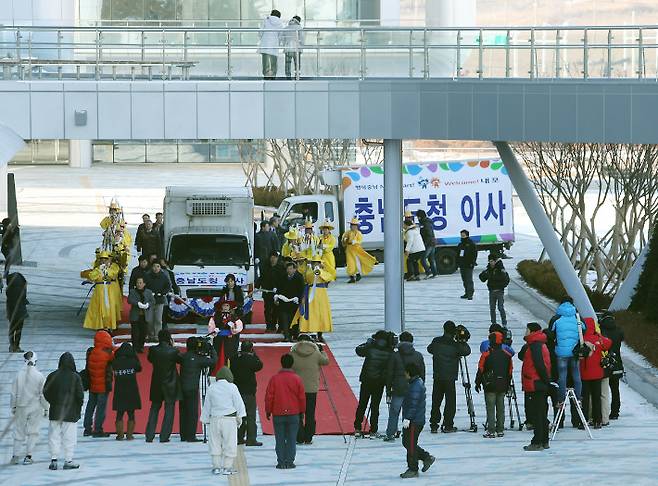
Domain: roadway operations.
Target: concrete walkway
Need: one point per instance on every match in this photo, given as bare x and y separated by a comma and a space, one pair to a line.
61, 238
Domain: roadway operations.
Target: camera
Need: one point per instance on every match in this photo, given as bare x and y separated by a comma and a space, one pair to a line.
202, 346
507, 339
462, 334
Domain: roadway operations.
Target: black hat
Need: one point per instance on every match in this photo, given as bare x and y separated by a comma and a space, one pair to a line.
533, 327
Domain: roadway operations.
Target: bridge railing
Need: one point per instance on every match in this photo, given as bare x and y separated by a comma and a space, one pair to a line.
113, 52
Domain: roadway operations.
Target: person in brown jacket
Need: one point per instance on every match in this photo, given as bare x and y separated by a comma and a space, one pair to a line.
309, 357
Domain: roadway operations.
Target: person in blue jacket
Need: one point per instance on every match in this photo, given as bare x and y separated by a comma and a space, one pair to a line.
565, 327
484, 345
413, 420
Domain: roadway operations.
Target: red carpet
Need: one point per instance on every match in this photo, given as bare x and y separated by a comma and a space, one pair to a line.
327, 423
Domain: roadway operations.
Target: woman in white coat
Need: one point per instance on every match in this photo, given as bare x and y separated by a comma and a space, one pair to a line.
414, 249
269, 43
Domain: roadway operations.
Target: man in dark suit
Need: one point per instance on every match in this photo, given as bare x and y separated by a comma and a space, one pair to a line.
291, 287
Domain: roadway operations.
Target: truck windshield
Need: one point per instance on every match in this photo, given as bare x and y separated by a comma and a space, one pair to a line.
209, 250
283, 208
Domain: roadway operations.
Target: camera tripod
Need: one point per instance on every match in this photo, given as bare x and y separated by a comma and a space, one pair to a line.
511, 397
466, 382
205, 377
571, 396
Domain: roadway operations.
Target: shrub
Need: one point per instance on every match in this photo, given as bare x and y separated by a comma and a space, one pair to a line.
268, 196
639, 333
543, 277
648, 278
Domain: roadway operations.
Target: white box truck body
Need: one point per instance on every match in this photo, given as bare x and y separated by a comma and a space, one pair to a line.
464, 194
209, 234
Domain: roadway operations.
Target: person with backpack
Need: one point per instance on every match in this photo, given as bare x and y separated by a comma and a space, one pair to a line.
397, 383
497, 280
494, 375
377, 352
592, 373
99, 368
126, 397
536, 381
610, 330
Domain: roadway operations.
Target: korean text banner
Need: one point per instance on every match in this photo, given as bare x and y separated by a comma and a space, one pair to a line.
474, 195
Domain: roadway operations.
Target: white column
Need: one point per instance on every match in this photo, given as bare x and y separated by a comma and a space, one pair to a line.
393, 287
80, 155
10, 144
545, 231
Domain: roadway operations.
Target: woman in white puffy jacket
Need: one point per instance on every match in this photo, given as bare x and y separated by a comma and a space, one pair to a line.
414, 249
270, 40
28, 406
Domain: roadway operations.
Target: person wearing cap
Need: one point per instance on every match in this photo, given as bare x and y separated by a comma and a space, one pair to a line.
497, 280
244, 368
291, 245
28, 407
310, 243
289, 291
327, 245
102, 310
223, 412
314, 313
359, 262
494, 375
270, 275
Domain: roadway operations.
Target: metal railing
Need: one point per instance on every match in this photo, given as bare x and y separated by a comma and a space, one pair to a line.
360, 53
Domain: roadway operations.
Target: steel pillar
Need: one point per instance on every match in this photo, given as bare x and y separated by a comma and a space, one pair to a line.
545, 231
393, 288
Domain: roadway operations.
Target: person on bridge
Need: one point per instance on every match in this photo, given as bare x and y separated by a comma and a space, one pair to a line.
497, 280
467, 254
314, 314
293, 45
359, 262
327, 244
270, 40
102, 310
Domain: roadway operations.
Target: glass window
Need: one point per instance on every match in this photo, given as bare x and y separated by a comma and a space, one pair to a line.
123, 9
103, 152
225, 151
129, 152
161, 152
256, 10
346, 9
194, 10
321, 10
329, 210
204, 250
193, 152
224, 10
300, 212
160, 10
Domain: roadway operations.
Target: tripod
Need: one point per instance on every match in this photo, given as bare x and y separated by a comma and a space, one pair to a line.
511, 397
205, 373
466, 382
571, 395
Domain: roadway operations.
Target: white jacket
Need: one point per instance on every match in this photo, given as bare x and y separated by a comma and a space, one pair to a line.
27, 389
222, 398
270, 41
292, 37
413, 240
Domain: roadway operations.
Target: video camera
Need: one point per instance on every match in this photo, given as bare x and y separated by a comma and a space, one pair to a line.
389, 337
202, 345
507, 339
462, 334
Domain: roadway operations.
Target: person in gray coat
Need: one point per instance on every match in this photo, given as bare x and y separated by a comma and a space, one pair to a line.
142, 303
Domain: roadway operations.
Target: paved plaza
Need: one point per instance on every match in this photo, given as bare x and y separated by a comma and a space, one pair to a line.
59, 212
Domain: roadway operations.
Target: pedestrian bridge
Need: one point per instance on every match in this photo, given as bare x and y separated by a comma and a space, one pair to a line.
567, 84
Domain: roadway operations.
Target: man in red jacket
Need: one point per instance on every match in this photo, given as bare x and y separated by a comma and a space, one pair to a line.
591, 373
98, 366
536, 380
286, 400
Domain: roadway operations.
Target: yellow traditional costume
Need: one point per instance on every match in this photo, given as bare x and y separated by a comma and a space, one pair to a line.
310, 242
359, 262
327, 244
290, 246
314, 314
106, 297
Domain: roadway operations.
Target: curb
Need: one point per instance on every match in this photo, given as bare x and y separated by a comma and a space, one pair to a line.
640, 379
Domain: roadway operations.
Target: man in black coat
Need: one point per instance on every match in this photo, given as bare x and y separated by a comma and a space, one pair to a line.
150, 241
467, 254
193, 362
377, 352
140, 232
139, 271
610, 330
446, 353
265, 242
244, 368
497, 279
63, 390
291, 286
271, 274
16, 309
165, 385
397, 383
157, 281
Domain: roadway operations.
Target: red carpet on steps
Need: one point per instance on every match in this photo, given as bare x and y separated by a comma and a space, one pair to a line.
334, 382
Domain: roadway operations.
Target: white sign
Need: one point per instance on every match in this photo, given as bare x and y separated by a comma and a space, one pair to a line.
474, 195
208, 279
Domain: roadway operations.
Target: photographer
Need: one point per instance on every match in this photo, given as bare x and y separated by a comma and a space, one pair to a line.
309, 357
610, 330
244, 368
377, 352
446, 352
200, 354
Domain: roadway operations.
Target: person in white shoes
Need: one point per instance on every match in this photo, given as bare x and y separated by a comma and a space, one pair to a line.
63, 391
223, 412
28, 407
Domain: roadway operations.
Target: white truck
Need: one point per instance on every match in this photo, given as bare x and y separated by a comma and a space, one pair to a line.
209, 234
463, 194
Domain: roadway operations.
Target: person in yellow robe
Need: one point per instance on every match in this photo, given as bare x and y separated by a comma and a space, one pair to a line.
102, 310
310, 242
291, 244
314, 314
359, 262
327, 244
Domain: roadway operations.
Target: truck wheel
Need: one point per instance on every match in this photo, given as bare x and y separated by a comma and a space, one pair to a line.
446, 261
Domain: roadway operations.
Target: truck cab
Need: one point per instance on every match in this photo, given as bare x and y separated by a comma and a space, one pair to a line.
294, 210
209, 234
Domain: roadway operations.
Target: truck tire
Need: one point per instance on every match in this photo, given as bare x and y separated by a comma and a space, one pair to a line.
446, 260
